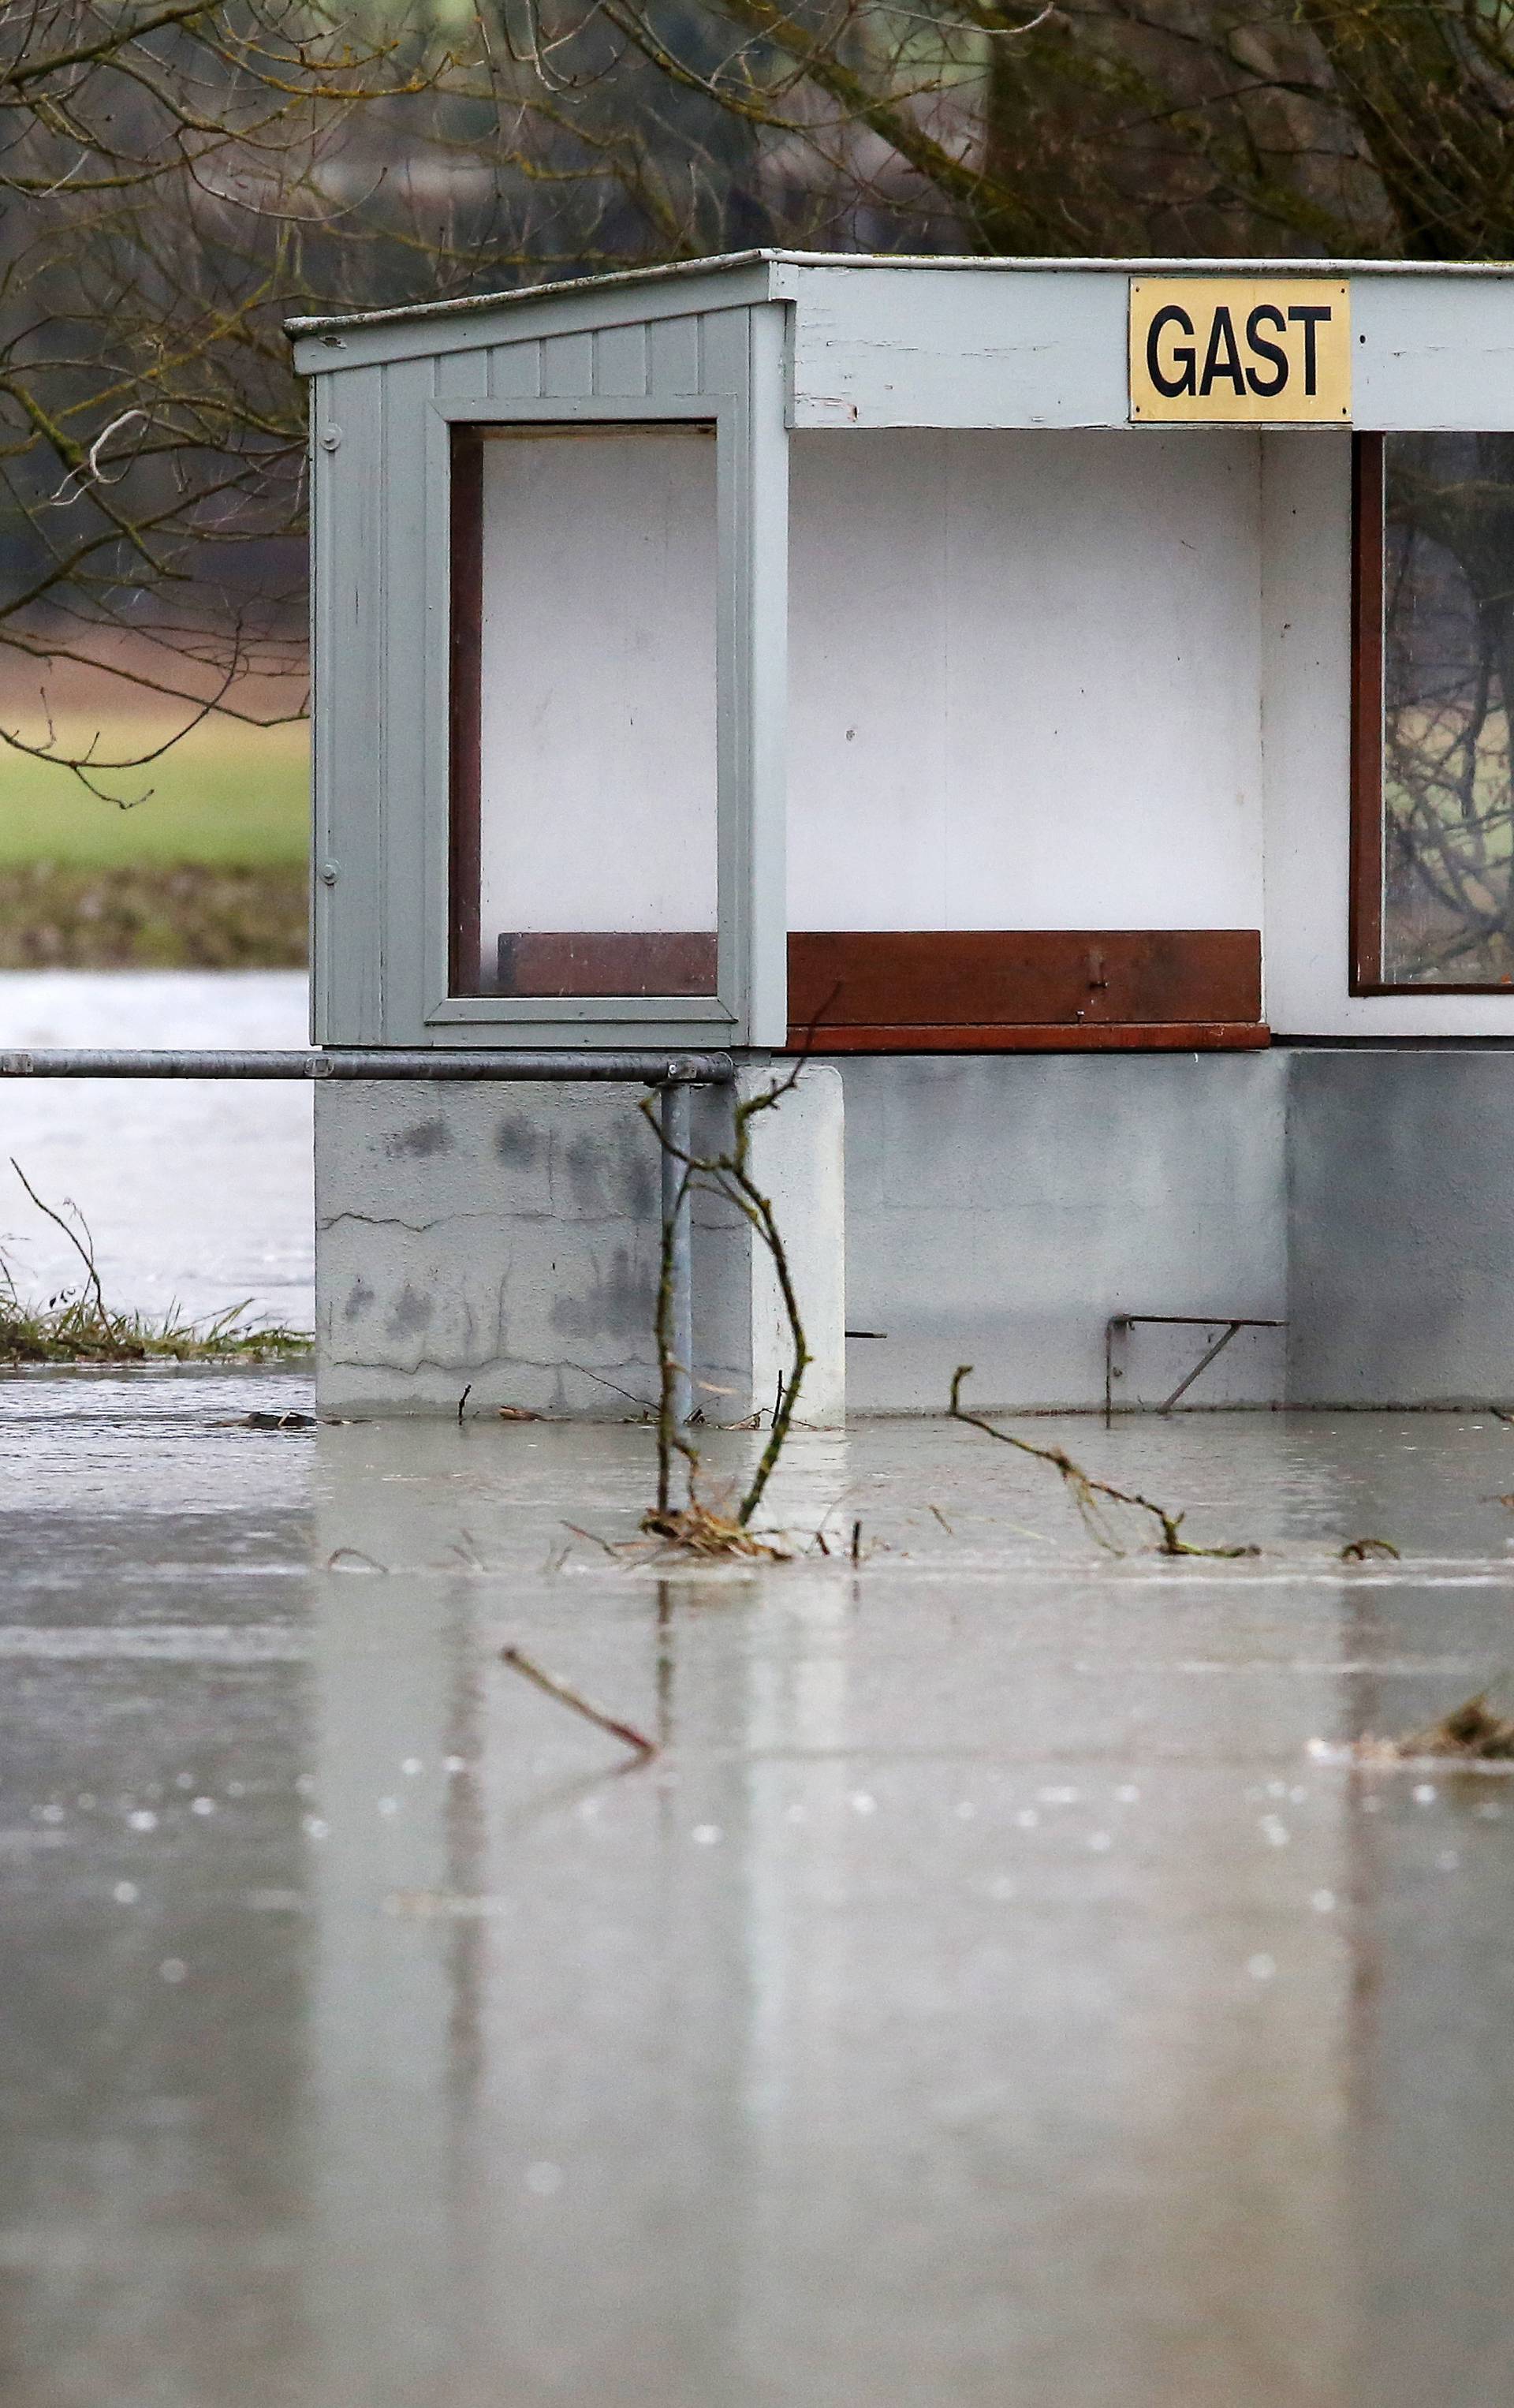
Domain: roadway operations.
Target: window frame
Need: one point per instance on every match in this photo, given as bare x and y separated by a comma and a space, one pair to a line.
1368, 458
719, 1016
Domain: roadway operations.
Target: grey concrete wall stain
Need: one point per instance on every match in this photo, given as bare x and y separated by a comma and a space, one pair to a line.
412, 1314
518, 1142
619, 1303
422, 1142
610, 1172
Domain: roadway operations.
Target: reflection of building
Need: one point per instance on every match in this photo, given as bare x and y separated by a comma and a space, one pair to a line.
1449, 666
962, 658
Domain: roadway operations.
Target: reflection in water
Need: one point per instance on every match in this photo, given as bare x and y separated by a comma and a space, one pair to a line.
982, 1998
1448, 624
821, 2042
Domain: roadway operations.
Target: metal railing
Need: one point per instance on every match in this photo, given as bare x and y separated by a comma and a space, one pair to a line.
673, 1074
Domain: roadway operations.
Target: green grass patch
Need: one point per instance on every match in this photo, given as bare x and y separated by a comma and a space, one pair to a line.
79, 1326
227, 796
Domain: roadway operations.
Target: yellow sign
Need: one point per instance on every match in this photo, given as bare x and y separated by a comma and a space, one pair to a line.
1240, 351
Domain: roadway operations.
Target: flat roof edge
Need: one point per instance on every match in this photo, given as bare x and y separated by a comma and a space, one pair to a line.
720, 262
467, 304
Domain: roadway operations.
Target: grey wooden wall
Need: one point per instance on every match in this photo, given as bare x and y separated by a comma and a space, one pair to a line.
380, 427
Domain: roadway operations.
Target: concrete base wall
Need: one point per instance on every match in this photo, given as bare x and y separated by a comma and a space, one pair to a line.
505, 1238
1401, 1226
998, 1210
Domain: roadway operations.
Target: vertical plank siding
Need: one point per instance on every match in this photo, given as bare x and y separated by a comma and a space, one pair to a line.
349, 652
514, 372
619, 362
567, 368
392, 810
673, 357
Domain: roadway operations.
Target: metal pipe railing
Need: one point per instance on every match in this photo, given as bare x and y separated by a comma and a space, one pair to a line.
674, 1117
674, 1073
659, 1069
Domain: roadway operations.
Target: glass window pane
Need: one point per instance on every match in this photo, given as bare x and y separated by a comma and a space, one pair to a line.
595, 850
1448, 900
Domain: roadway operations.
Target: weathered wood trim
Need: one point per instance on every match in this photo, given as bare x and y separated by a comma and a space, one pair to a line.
1147, 1037
1083, 981
541, 963
464, 700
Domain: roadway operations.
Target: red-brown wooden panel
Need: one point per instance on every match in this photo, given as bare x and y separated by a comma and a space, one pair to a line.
598, 962
1148, 1037
932, 989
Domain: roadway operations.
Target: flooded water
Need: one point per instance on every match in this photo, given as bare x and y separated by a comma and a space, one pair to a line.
198, 1193
982, 1996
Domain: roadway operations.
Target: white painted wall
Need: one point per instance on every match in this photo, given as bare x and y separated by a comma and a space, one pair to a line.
598, 720
1025, 680
1307, 657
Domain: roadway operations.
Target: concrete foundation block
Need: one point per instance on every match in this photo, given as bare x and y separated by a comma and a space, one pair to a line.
498, 1237
1401, 1225
798, 1161
992, 1210
1002, 1207
505, 1238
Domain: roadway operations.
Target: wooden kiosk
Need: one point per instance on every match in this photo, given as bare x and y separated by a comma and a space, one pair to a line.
1069, 697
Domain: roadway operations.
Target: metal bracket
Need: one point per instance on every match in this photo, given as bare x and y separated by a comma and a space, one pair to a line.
1119, 1325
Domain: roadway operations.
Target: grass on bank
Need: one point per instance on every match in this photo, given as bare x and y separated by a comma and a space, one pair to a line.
227, 796
206, 871
162, 916
78, 1325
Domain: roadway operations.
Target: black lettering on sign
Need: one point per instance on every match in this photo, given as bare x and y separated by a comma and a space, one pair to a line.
1240, 349
1309, 319
1184, 359
1266, 387
1223, 358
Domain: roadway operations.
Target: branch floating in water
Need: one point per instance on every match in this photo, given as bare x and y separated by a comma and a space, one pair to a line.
1087, 1492
626, 1732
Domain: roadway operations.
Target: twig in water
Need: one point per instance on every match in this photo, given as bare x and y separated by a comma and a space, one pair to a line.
462, 1401
856, 1543
1361, 1551
82, 1247
595, 1540
551, 1687
696, 1525
1086, 1491
703, 1530
643, 1406
1471, 1733
1470, 1728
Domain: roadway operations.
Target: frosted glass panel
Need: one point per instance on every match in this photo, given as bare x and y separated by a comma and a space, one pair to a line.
598, 763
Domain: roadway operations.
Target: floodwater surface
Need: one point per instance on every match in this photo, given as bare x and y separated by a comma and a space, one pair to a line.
197, 1193
982, 1996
